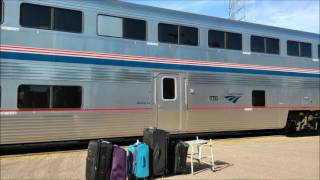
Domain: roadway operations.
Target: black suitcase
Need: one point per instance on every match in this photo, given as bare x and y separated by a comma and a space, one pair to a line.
180, 159
157, 141
99, 160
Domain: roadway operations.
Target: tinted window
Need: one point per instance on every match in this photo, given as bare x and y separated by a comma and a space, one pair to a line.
0, 96
257, 44
168, 33
33, 96
168, 86
35, 16
67, 20
1, 11
134, 29
67, 97
319, 51
258, 98
305, 49
292, 48
188, 35
234, 41
272, 46
216, 39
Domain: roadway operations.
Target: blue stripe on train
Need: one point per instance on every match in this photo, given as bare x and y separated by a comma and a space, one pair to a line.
88, 60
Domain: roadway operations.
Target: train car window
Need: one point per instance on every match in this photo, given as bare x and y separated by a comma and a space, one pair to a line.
168, 33
305, 49
35, 16
319, 51
134, 29
233, 41
110, 26
292, 48
188, 35
33, 96
1, 11
67, 20
168, 89
216, 39
257, 44
258, 98
67, 97
0, 97
272, 46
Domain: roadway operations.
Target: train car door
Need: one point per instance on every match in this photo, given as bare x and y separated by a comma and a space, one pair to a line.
168, 99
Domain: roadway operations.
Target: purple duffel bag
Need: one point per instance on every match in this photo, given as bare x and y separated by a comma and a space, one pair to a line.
119, 164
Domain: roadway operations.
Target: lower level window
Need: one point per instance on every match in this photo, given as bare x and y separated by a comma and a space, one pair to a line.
43, 96
258, 98
168, 89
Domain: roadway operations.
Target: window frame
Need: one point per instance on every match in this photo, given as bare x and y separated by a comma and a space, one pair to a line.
122, 17
264, 98
299, 49
178, 40
2, 12
51, 95
225, 39
52, 18
175, 88
265, 38
318, 51
198, 36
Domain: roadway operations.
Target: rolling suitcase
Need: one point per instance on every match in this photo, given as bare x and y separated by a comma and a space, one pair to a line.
119, 164
180, 159
98, 162
157, 140
138, 166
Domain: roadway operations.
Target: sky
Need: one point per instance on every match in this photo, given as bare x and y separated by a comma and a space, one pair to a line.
300, 15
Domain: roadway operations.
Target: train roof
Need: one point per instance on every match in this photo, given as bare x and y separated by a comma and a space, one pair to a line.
186, 17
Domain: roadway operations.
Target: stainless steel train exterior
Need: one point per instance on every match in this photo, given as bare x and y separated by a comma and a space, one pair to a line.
122, 79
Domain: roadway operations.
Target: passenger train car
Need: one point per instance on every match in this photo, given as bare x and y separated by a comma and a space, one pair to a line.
77, 70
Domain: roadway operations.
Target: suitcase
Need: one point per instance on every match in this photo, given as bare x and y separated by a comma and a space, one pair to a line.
157, 140
119, 164
98, 162
138, 166
180, 159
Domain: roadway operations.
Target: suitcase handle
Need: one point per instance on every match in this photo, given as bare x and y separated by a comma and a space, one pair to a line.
157, 152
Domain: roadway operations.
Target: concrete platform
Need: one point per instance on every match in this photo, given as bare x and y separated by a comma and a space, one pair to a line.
268, 157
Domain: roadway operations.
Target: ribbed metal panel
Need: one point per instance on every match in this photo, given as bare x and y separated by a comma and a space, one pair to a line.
69, 72
254, 80
234, 120
30, 127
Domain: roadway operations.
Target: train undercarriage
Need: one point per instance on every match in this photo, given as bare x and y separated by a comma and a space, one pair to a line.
301, 121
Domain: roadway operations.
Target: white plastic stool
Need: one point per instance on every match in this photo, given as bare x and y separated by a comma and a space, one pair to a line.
208, 145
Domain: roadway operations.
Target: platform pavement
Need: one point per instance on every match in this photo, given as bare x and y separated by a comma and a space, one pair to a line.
266, 157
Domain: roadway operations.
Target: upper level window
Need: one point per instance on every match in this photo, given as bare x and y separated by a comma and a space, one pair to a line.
216, 39
134, 29
224, 40
43, 96
122, 27
175, 34
299, 49
1, 11
45, 17
188, 35
264, 45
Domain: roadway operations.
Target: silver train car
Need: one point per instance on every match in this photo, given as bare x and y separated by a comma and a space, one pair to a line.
77, 70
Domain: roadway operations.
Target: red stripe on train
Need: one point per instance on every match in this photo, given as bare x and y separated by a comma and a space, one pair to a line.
251, 107
74, 110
